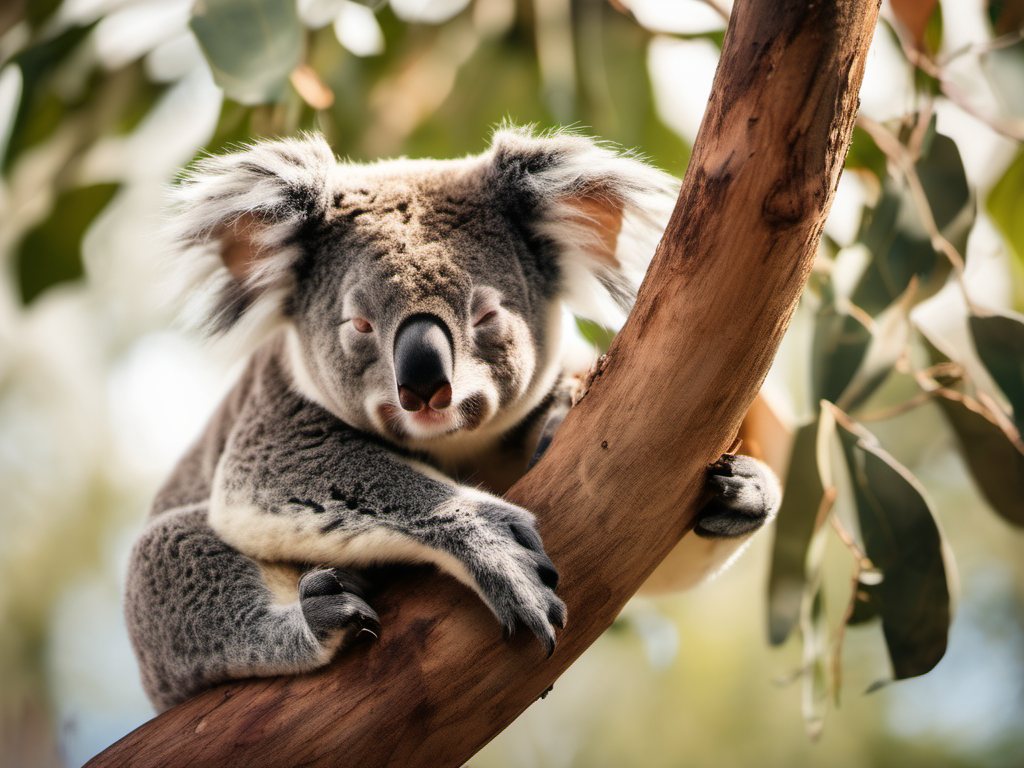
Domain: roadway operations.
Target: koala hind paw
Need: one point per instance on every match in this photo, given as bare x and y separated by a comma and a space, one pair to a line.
746, 494
333, 600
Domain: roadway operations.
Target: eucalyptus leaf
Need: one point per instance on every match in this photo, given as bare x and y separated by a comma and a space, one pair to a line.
252, 46
794, 529
999, 340
1005, 207
895, 233
41, 111
50, 253
597, 334
991, 454
889, 336
995, 463
838, 348
865, 155
902, 540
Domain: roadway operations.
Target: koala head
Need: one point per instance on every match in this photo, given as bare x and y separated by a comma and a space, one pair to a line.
423, 299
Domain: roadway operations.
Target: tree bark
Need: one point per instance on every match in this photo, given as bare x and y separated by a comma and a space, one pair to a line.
624, 476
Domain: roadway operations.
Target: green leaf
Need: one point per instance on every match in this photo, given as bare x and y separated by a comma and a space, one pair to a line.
895, 234
865, 155
838, 348
933, 30
598, 335
252, 45
999, 340
40, 111
889, 336
794, 528
994, 461
992, 456
902, 540
900, 249
945, 184
38, 12
51, 252
1005, 207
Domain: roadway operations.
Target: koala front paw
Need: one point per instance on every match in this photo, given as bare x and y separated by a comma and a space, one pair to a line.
746, 495
333, 600
516, 576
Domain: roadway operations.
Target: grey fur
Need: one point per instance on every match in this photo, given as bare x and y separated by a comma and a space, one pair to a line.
311, 470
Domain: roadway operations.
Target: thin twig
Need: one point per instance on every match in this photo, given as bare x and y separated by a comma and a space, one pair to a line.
982, 404
1003, 41
899, 409
811, 653
951, 90
861, 562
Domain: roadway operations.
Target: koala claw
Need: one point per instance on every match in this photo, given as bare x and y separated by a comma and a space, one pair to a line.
746, 495
521, 588
332, 600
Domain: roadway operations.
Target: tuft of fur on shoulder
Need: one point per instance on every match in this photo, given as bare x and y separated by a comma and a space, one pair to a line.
270, 189
563, 167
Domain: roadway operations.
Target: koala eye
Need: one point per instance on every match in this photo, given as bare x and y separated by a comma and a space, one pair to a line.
361, 325
485, 318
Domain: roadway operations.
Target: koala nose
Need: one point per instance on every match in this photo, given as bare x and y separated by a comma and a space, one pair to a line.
423, 363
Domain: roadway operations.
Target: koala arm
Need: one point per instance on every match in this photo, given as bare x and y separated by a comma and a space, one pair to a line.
296, 484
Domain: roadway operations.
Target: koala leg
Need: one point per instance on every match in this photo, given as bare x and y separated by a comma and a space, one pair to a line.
199, 612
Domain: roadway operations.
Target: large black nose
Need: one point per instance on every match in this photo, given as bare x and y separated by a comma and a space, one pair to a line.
423, 363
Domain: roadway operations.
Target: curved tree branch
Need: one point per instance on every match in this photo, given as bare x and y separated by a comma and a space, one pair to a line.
620, 483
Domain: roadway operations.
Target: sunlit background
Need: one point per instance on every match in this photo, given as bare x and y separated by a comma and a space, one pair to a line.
103, 101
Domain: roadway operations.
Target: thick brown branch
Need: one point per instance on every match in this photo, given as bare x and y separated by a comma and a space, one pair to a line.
619, 485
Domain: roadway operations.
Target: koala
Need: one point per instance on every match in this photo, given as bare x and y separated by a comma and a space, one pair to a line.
406, 320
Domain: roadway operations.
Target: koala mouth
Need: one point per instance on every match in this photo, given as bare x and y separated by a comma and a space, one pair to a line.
401, 424
427, 423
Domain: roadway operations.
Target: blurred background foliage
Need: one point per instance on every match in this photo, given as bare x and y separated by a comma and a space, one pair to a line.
893, 412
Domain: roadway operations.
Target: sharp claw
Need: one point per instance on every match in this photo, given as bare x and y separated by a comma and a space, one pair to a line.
549, 644
557, 615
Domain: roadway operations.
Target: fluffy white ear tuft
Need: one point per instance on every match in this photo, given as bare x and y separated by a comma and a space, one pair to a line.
233, 227
606, 211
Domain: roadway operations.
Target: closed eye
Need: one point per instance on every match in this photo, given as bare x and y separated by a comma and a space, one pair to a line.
486, 318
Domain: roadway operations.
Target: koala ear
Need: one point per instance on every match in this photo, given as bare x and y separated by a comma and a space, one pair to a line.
234, 224
604, 210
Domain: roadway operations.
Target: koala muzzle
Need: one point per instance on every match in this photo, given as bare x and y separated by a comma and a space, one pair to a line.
423, 364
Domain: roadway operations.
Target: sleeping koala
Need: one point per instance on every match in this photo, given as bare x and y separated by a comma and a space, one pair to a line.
409, 316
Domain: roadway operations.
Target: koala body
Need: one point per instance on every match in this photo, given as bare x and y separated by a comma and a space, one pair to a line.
408, 316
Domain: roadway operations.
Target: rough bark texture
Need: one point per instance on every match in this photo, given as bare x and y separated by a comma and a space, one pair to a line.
620, 484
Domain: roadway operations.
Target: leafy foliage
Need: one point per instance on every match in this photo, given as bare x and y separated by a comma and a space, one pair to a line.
252, 45
50, 253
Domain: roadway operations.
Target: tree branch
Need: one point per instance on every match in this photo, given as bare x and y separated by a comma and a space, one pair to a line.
620, 483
